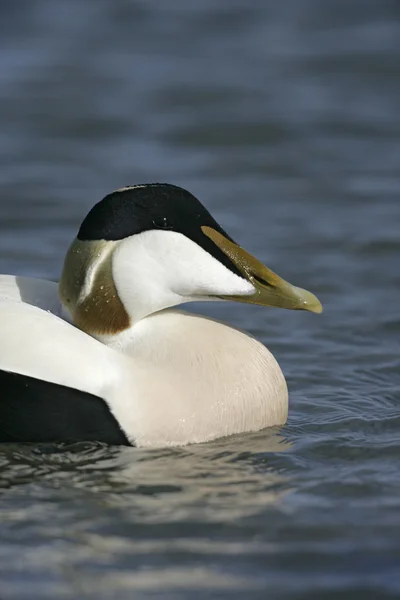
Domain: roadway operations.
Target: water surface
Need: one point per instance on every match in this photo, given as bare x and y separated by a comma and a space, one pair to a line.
283, 119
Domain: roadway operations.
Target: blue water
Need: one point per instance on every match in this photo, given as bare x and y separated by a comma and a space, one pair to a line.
283, 118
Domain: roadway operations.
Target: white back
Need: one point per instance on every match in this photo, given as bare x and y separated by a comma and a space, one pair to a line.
37, 292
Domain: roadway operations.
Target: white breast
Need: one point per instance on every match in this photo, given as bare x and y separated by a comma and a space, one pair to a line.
200, 379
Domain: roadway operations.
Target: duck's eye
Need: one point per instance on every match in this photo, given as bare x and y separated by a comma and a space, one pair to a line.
162, 223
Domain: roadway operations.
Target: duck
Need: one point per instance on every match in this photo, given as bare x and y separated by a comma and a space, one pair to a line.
106, 356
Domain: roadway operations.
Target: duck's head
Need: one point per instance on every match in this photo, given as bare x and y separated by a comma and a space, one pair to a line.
148, 247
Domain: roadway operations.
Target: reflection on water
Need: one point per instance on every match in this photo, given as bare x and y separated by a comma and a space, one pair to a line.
169, 501
283, 119
233, 487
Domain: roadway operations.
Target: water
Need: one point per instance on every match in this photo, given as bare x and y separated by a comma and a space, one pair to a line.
283, 118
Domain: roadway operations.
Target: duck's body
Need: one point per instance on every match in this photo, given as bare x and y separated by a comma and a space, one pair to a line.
109, 361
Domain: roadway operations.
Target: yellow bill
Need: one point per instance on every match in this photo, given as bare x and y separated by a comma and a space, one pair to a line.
270, 289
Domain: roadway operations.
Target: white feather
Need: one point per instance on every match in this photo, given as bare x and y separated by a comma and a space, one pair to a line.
173, 377
154, 270
181, 379
37, 292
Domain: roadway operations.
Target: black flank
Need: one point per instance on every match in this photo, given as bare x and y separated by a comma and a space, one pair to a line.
32, 410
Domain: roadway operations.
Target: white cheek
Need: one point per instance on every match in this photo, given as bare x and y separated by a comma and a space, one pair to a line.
195, 272
157, 269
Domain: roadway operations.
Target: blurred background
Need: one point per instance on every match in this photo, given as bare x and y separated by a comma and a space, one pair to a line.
283, 119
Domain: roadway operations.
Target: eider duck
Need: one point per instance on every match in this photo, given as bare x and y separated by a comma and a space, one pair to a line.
103, 356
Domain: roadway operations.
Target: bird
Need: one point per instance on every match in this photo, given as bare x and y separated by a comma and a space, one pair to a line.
104, 355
